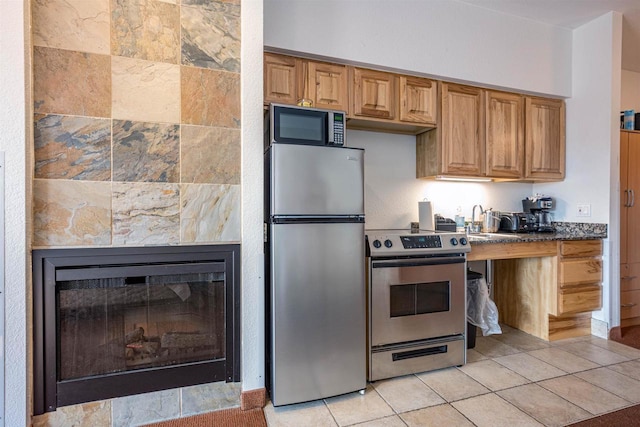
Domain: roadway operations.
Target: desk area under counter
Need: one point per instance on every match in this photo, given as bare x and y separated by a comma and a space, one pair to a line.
546, 284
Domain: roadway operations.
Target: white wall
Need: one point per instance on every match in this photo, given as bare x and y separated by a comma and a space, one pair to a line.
12, 141
252, 311
441, 38
392, 191
589, 125
593, 118
630, 93
452, 41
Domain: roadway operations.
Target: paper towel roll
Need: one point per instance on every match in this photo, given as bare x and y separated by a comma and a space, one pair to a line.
425, 215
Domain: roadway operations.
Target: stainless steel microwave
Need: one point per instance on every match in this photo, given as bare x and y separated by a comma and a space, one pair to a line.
290, 124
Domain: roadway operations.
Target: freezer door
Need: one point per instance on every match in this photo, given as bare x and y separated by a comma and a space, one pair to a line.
318, 328
316, 180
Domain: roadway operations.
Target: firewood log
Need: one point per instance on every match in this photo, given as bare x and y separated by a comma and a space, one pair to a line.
136, 335
186, 340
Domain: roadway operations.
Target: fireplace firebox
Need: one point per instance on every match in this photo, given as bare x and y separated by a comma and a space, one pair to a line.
111, 322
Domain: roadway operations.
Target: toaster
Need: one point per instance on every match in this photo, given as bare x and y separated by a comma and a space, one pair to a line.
517, 222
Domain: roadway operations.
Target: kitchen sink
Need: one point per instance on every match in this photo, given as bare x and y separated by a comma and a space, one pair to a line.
487, 236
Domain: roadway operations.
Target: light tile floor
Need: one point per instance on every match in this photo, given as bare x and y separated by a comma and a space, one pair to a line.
509, 379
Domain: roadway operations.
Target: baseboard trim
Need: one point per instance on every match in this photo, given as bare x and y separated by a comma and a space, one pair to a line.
599, 328
252, 399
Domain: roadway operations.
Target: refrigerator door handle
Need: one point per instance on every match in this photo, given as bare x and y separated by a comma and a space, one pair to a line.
306, 219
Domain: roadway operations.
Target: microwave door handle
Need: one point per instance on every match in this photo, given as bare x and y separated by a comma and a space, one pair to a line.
330, 137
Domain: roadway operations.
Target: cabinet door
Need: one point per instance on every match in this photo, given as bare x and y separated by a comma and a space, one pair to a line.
374, 94
463, 141
418, 100
630, 277
280, 79
544, 139
505, 135
625, 196
327, 85
629, 304
633, 210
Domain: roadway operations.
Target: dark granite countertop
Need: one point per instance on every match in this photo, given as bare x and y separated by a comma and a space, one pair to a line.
564, 231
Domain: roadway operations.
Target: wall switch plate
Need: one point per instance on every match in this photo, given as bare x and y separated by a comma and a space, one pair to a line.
584, 210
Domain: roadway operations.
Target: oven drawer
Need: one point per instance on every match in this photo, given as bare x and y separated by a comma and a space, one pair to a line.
398, 360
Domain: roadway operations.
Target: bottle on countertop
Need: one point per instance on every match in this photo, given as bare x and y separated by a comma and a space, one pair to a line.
459, 220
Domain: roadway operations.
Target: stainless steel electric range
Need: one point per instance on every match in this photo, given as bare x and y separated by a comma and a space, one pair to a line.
416, 291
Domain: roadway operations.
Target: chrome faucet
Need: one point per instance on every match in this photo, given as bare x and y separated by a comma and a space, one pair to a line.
475, 228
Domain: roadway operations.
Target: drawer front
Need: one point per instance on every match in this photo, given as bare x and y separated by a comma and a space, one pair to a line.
573, 272
629, 304
579, 299
630, 277
581, 248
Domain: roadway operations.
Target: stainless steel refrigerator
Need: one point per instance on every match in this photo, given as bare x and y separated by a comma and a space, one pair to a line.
316, 345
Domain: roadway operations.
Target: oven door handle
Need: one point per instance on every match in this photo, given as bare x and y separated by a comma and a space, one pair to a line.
416, 262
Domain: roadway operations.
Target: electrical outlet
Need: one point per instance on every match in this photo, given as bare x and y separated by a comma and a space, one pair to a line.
584, 210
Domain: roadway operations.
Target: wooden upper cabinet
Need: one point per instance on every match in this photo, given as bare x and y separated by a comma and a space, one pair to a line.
288, 79
374, 94
504, 135
462, 130
373, 100
326, 85
418, 100
544, 139
280, 79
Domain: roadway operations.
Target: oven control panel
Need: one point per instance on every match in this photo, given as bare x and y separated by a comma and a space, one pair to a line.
402, 242
421, 241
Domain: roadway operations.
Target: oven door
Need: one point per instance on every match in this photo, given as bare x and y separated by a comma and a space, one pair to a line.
417, 299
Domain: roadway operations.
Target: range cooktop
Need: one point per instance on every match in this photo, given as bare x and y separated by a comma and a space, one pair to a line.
400, 242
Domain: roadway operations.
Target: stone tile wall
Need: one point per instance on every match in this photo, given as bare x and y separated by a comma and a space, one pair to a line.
137, 122
137, 141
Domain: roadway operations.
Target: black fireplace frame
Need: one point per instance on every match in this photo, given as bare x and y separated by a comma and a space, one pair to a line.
50, 393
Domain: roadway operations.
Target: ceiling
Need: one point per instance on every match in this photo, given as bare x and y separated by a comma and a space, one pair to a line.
573, 13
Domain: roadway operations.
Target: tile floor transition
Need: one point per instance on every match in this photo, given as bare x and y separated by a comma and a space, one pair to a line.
509, 379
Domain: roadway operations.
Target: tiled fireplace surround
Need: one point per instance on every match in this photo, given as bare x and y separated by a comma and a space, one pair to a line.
136, 142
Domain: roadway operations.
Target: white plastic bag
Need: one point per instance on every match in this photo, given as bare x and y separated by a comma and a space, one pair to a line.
481, 311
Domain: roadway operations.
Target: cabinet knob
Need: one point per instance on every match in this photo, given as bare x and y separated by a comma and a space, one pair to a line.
632, 304
628, 277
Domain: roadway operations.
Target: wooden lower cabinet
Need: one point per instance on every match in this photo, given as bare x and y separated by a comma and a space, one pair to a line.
579, 299
630, 294
521, 290
551, 296
629, 228
563, 327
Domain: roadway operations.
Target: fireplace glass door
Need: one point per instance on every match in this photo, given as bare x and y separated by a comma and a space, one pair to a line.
123, 323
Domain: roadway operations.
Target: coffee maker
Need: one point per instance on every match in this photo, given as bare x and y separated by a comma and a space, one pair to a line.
540, 207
